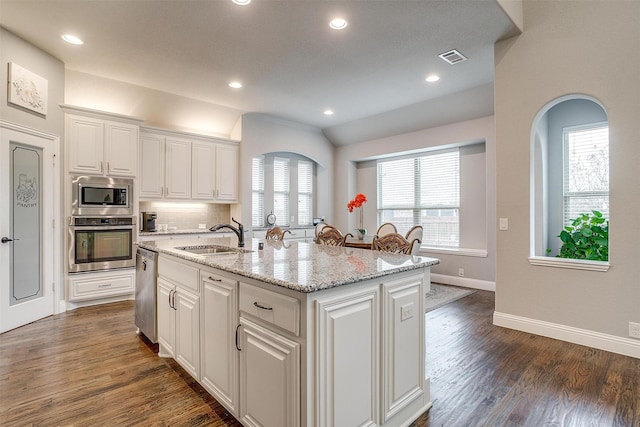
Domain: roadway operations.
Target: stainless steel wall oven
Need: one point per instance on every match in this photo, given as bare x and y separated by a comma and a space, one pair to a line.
101, 243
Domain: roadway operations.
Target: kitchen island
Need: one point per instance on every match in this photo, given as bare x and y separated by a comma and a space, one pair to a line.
297, 334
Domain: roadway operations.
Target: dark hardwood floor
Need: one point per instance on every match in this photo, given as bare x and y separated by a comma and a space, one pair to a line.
88, 368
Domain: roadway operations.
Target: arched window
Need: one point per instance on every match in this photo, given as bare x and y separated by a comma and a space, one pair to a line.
570, 180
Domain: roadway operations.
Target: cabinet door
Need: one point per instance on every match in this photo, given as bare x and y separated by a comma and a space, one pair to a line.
85, 137
347, 352
166, 318
151, 182
187, 350
219, 354
227, 173
269, 378
178, 168
403, 351
203, 157
121, 149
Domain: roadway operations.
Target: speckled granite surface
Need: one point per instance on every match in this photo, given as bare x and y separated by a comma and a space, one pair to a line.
303, 267
182, 231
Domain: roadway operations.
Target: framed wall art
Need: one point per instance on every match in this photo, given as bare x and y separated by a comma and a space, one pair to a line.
27, 89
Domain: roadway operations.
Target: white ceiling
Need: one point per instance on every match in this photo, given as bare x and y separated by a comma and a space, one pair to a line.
292, 65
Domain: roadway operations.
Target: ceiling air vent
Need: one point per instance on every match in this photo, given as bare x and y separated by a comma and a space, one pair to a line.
453, 57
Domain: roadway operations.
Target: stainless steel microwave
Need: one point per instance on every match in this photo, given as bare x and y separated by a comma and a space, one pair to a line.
95, 195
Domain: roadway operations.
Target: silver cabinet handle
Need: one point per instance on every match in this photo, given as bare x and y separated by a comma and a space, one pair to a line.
106, 285
257, 304
237, 348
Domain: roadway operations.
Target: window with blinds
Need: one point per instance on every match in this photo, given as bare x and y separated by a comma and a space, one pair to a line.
257, 192
305, 193
422, 190
586, 170
281, 190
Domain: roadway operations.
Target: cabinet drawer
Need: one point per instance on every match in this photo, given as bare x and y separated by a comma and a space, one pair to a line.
90, 287
277, 309
179, 273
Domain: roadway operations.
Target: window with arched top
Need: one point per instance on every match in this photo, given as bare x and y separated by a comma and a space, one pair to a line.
570, 182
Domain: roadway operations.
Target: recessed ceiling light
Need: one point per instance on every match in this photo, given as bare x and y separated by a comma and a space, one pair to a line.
431, 78
241, 2
235, 85
338, 24
328, 112
71, 39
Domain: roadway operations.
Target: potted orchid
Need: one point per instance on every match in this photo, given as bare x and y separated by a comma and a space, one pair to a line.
356, 203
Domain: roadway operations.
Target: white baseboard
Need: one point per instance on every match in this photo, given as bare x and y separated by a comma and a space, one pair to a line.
612, 343
62, 307
465, 282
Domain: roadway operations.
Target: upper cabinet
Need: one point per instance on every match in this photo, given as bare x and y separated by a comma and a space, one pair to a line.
186, 166
227, 161
100, 145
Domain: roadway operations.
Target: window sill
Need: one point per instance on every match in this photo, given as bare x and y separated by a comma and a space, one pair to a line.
576, 264
479, 253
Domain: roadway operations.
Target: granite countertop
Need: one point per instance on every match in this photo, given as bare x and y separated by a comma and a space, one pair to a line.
181, 231
300, 266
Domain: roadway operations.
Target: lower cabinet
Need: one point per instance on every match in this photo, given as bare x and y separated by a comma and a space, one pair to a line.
86, 286
219, 374
344, 356
187, 350
166, 318
269, 377
178, 310
348, 331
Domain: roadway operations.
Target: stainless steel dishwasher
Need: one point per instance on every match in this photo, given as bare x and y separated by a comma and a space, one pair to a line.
146, 293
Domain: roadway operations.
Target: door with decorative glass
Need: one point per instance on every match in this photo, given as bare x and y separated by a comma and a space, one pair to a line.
26, 226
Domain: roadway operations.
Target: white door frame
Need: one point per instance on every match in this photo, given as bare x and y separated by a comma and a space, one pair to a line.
57, 270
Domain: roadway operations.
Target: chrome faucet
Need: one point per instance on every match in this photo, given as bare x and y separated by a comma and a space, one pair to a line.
239, 231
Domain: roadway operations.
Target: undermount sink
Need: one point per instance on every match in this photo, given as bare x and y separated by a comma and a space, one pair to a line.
210, 249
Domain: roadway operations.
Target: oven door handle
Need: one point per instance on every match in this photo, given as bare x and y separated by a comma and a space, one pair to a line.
101, 227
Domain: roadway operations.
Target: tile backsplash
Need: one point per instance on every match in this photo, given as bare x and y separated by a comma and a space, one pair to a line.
187, 215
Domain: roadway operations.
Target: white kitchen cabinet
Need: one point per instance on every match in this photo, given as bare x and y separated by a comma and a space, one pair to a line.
85, 286
177, 168
348, 349
179, 314
402, 356
101, 147
269, 377
166, 318
203, 158
214, 172
227, 163
187, 349
165, 167
151, 182
219, 375
186, 166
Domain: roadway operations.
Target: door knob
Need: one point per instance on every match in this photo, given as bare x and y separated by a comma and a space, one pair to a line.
7, 240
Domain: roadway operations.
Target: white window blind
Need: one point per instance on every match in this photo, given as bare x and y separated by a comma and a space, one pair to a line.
281, 190
586, 170
422, 190
257, 192
305, 193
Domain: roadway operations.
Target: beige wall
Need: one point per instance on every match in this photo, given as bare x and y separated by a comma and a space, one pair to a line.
155, 108
14, 49
266, 134
355, 174
570, 47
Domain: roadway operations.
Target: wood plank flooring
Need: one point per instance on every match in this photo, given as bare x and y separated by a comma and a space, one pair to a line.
88, 368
